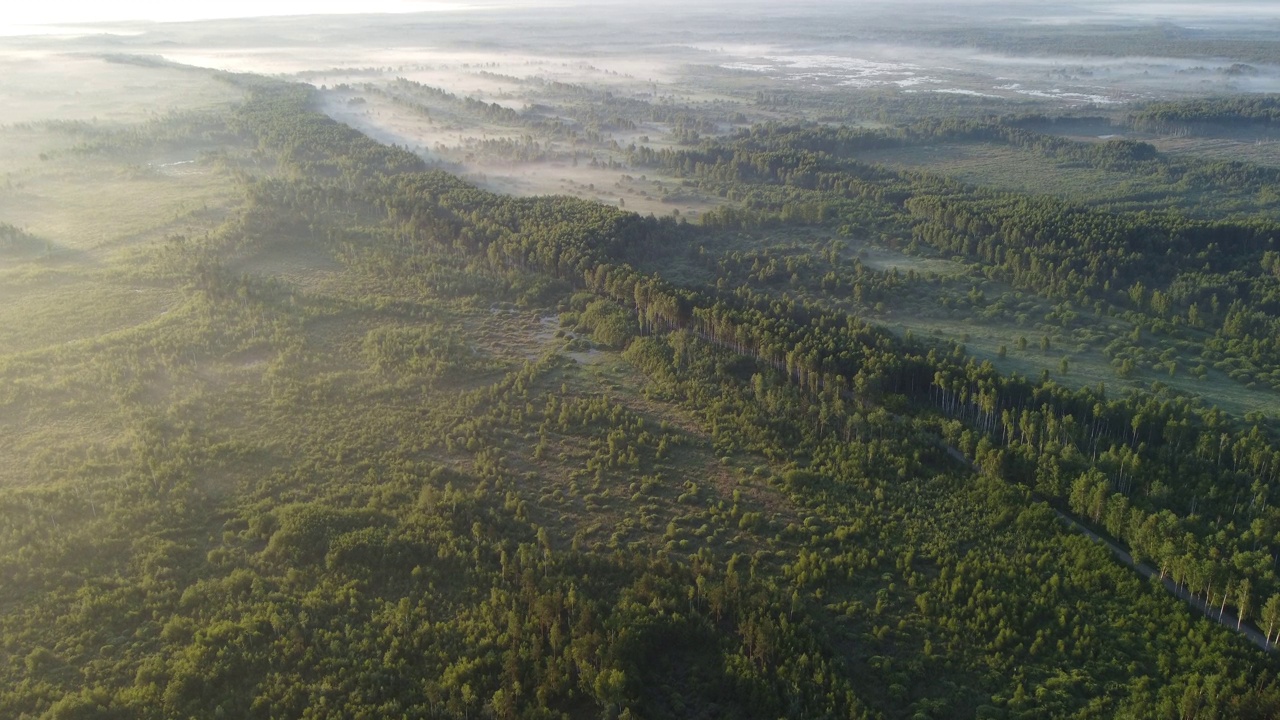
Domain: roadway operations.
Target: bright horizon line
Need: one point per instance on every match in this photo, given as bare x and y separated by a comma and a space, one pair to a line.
75, 16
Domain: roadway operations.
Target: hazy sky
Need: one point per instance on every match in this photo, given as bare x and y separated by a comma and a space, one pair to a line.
18, 14
21, 12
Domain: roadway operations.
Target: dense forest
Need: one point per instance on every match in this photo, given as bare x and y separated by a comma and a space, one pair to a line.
700, 482
1206, 115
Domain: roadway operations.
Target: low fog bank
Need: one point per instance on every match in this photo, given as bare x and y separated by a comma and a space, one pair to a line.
982, 37
1089, 53
613, 75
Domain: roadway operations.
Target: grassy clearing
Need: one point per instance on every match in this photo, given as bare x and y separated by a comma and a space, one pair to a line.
99, 225
646, 194
36, 86
1082, 346
85, 313
1259, 151
55, 312
1015, 170
937, 307
98, 203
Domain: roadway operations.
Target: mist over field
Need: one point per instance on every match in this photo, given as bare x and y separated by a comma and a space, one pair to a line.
569, 359
1000, 57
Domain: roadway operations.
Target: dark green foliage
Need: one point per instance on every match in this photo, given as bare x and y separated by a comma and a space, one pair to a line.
444, 532
279, 116
1208, 114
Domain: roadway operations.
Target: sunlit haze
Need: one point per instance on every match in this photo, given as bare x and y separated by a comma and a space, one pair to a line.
621, 359
14, 18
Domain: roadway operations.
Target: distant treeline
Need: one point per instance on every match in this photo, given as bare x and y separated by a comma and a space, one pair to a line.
283, 119
15, 239
1161, 40
1241, 112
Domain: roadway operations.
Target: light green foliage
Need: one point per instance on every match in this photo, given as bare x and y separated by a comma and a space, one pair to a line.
608, 323
429, 350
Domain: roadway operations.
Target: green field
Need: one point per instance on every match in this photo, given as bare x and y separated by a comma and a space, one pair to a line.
1261, 151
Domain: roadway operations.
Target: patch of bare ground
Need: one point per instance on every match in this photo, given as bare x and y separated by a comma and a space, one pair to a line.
517, 335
